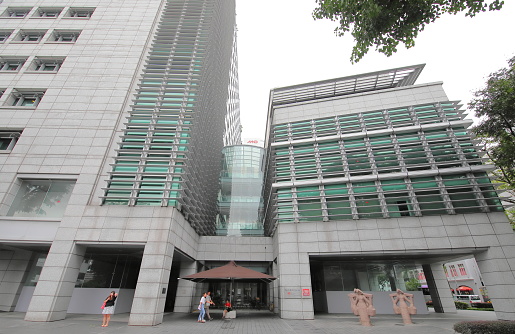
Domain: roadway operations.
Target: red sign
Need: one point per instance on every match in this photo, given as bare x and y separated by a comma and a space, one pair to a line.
306, 293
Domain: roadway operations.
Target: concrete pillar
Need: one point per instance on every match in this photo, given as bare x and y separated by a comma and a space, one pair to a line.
439, 287
14, 264
185, 289
295, 293
150, 295
497, 264
56, 282
275, 287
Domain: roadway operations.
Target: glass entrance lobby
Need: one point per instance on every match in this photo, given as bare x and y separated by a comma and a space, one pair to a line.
333, 279
245, 295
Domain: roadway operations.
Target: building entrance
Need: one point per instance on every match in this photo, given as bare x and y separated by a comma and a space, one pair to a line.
332, 280
245, 295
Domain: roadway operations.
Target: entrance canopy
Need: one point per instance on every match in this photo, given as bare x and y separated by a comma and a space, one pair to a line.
230, 271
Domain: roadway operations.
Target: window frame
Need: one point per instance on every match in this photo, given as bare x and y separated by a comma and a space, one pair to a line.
19, 97
12, 12
59, 36
5, 63
25, 36
42, 12
83, 13
42, 200
4, 35
39, 63
11, 137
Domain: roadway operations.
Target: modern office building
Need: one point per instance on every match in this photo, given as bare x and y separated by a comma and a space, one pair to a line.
121, 168
369, 178
114, 116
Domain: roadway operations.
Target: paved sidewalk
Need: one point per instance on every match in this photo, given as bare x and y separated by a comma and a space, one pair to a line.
248, 322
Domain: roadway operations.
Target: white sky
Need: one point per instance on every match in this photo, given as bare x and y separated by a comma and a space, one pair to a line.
279, 44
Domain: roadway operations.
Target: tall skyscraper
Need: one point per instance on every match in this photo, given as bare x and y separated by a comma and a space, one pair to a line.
371, 178
114, 116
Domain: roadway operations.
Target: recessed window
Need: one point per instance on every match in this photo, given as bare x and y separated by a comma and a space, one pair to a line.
51, 12
4, 35
80, 12
30, 36
11, 65
25, 98
62, 36
42, 198
42, 64
8, 139
16, 12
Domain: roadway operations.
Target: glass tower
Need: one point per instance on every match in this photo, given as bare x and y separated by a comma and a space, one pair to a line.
240, 200
185, 109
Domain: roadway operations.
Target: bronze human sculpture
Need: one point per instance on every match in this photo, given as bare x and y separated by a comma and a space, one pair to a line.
362, 306
403, 305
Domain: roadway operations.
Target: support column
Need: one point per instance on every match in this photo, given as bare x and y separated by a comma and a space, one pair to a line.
275, 287
56, 282
185, 288
496, 266
150, 295
439, 288
295, 277
13, 269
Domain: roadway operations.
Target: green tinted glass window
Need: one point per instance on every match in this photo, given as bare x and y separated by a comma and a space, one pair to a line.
335, 189
308, 191
393, 185
364, 187
423, 182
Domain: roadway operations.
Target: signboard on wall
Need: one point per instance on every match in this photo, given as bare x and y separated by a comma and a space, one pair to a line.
296, 293
291, 293
254, 142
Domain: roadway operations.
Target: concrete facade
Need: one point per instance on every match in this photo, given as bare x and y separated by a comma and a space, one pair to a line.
69, 121
346, 186
107, 156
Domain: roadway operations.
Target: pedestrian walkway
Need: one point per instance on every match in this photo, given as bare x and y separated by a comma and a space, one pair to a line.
247, 322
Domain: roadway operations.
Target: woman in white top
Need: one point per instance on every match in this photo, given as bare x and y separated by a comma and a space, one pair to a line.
201, 308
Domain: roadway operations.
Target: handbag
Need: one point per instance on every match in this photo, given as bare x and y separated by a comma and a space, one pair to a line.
103, 305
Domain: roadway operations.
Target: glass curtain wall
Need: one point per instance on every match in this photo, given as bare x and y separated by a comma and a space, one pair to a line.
245, 294
368, 165
42, 198
240, 199
369, 276
112, 271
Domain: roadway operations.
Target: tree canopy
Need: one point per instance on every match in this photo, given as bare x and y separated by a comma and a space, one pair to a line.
495, 106
386, 23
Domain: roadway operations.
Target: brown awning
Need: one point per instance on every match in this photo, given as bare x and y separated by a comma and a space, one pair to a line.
228, 272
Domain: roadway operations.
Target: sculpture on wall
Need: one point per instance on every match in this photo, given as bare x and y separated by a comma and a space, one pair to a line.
362, 305
403, 305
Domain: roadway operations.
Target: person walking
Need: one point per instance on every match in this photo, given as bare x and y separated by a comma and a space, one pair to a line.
108, 308
209, 302
201, 308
